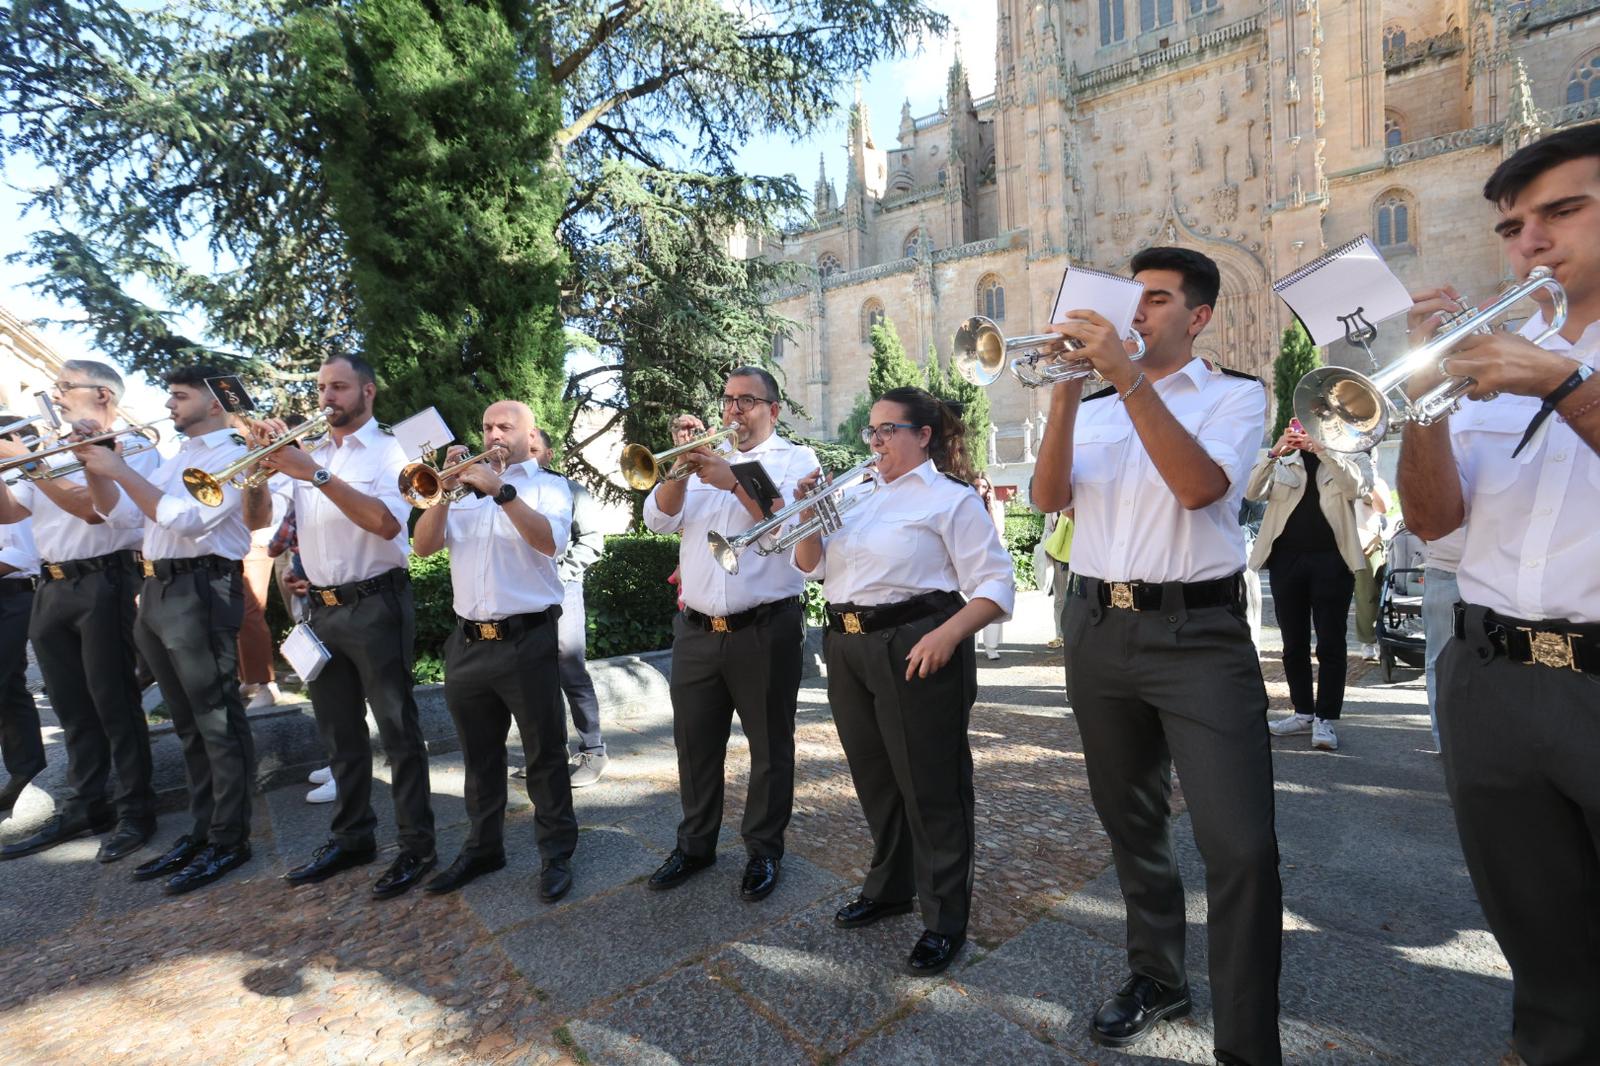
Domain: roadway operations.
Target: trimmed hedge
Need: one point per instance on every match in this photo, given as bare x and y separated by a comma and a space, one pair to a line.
1023, 532
629, 603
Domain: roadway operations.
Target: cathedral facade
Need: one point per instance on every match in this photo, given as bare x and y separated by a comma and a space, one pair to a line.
1262, 134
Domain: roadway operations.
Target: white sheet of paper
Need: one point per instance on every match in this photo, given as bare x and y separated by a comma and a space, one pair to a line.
304, 651
1114, 298
1352, 279
424, 431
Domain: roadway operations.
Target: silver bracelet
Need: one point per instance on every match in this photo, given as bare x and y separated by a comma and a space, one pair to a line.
1138, 381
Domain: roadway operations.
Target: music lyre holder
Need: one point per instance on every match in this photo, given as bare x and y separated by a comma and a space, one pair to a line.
1360, 333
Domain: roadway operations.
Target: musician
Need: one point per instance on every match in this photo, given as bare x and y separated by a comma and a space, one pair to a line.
351, 523
1161, 670
1519, 686
737, 643
20, 742
190, 608
902, 673
82, 633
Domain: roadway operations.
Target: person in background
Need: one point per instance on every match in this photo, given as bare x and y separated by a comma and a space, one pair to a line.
993, 632
258, 682
1372, 521
1439, 596
1057, 546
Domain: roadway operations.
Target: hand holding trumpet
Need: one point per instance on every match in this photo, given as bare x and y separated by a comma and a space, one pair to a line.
1102, 347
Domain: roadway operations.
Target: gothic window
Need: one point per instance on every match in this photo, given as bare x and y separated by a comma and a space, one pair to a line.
1154, 14
991, 298
1201, 7
943, 177
871, 317
829, 265
1585, 81
916, 239
1396, 221
1394, 40
777, 346
1393, 132
1113, 21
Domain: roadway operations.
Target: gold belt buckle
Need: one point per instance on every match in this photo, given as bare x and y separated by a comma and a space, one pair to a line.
719, 624
852, 622
148, 567
488, 630
1550, 649
1122, 595
55, 572
330, 597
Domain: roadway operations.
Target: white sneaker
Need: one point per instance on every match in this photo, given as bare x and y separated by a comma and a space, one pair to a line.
1369, 652
1323, 738
1290, 726
324, 793
991, 654
321, 777
264, 696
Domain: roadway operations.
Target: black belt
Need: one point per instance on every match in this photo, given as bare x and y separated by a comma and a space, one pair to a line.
1555, 643
849, 618
76, 568
507, 628
1147, 595
350, 592
728, 623
16, 586
164, 570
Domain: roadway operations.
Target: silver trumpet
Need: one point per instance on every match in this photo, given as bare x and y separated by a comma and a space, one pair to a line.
830, 505
979, 353
1347, 411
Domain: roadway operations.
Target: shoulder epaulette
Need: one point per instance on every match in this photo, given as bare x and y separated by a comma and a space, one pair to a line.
1240, 374
238, 438
1102, 394
385, 429
958, 481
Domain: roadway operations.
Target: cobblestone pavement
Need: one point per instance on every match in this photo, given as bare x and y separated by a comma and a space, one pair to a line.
98, 969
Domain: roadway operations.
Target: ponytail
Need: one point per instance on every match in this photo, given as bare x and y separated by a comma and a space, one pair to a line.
947, 446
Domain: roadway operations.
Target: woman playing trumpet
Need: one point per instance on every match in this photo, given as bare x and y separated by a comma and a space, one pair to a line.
902, 675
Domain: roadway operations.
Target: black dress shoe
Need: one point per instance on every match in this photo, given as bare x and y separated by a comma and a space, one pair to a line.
128, 838
678, 868
404, 872
863, 911
760, 878
57, 830
933, 953
208, 864
555, 880
12, 790
176, 858
466, 868
1127, 1017
328, 860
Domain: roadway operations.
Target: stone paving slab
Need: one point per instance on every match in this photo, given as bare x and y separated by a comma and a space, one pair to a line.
605, 859
947, 1027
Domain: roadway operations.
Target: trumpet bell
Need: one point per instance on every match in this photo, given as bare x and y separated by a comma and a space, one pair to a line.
203, 487
725, 553
979, 351
1342, 409
420, 485
639, 467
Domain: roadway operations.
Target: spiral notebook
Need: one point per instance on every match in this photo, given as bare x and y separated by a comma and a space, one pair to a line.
1348, 287
1108, 295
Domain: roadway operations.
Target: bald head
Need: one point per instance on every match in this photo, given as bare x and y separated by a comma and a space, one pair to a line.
509, 423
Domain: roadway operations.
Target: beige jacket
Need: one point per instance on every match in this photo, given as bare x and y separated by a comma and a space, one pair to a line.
1341, 481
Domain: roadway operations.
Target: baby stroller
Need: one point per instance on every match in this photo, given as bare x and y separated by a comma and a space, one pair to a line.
1400, 632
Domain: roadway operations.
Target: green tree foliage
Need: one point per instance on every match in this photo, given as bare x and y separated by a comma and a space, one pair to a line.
1297, 357
891, 368
973, 401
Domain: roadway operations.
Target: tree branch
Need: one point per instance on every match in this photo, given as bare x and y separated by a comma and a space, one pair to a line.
608, 24
581, 125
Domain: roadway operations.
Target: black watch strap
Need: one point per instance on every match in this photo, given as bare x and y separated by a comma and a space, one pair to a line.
506, 494
1547, 407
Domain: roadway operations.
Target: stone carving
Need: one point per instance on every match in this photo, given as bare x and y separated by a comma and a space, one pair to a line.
1222, 105
1121, 227
1197, 161
1225, 202
1144, 171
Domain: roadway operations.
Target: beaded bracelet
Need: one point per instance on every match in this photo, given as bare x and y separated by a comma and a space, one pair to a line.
1138, 381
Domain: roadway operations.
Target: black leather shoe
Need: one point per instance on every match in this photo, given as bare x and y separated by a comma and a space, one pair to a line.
208, 864
555, 880
176, 858
12, 790
57, 830
328, 860
678, 868
1127, 1017
465, 869
128, 838
934, 951
863, 911
760, 878
404, 872
1226, 1059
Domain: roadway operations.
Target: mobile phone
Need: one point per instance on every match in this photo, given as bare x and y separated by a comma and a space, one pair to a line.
1294, 424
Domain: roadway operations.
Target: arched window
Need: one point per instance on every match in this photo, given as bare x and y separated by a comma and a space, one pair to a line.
871, 316
1396, 220
1393, 132
1153, 14
1585, 81
992, 298
1113, 21
829, 265
1394, 40
915, 240
777, 346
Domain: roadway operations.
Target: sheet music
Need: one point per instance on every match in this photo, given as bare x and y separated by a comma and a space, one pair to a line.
1114, 298
304, 650
424, 431
1350, 285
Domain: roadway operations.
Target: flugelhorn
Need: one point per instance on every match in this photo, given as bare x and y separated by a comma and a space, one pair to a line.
207, 487
423, 486
829, 502
1344, 410
641, 468
979, 352
33, 467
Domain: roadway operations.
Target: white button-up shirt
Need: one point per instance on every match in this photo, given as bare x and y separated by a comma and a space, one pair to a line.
1127, 524
1530, 521
62, 537
185, 528
333, 549
921, 532
704, 585
494, 573
17, 550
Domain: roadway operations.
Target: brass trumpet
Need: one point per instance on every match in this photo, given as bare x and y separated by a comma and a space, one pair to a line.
207, 487
979, 353
32, 467
641, 468
423, 486
829, 502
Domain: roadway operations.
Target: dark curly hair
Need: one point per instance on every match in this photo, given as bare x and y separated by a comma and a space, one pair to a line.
947, 447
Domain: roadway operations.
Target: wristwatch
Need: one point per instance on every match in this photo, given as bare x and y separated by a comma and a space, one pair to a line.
321, 476
506, 494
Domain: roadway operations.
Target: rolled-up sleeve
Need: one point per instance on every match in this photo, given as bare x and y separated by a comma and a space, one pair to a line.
554, 501
17, 550
187, 517
657, 520
982, 564
1231, 433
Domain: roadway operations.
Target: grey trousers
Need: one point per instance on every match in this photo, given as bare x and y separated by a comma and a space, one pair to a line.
371, 642
1154, 689
756, 672
188, 632
572, 636
1520, 743
21, 746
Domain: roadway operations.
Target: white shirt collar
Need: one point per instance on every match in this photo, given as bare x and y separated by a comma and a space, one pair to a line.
215, 439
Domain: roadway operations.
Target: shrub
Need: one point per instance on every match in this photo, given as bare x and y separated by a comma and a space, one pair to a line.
1022, 535
629, 603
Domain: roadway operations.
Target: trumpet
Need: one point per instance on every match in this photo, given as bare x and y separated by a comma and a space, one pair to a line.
423, 486
979, 353
829, 502
32, 467
1347, 411
641, 469
207, 487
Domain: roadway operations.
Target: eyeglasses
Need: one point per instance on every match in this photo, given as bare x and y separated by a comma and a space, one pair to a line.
745, 404
870, 433
68, 386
